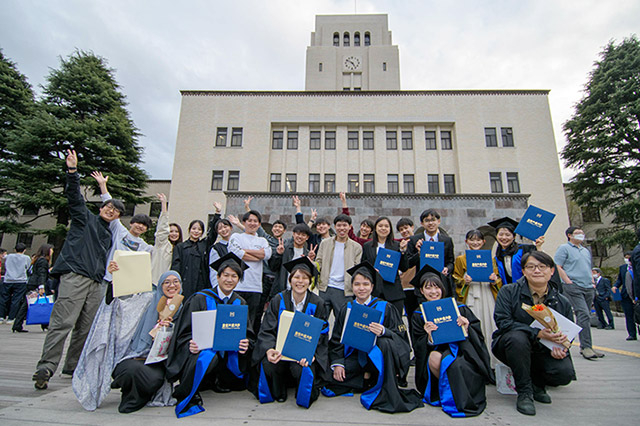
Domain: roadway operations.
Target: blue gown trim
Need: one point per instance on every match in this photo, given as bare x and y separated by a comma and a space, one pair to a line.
516, 269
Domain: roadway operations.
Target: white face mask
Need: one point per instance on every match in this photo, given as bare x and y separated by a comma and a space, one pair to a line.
595, 276
579, 237
627, 261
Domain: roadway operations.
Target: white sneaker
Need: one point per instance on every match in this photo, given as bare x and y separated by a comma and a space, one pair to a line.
9, 322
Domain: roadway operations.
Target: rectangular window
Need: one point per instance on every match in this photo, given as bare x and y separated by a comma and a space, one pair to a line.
445, 140
277, 138
409, 184
353, 139
407, 139
314, 183
353, 183
513, 183
495, 178
384, 66
314, 139
507, 136
368, 182
233, 184
430, 139
591, 215
236, 136
291, 182
597, 248
367, 140
216, 180
292, 139
433, 184
392, 184
275, 182
392, 140
449, 184
31, 211
129, 209
330, 140
25, 238
490, 136
320, 66
155, 209
329, 182
221, 136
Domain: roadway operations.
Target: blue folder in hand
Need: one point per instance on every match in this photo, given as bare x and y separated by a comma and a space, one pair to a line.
432, 254
479, 265
444, 313
387, 263
355, 332
302, 338
231, 327
534, 223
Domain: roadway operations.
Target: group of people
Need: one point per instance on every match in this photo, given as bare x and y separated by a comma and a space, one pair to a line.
319, 271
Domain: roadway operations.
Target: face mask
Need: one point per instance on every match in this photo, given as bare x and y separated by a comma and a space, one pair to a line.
595, 276
627, 261
579, 237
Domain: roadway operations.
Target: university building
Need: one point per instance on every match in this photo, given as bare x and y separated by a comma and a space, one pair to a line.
476, 155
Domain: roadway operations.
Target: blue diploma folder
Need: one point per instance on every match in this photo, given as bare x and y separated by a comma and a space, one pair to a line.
355, 332
444, 313
534, 223
479, 265
231, 327
432, 253
387, 263
302, 337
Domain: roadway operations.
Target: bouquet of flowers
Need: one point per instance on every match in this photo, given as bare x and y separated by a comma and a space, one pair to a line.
545, 317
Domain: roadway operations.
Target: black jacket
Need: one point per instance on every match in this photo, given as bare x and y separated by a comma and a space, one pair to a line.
389, 291
88, 241
413, 257
509, 315
620, 282
39, 275
275, 264
603, 289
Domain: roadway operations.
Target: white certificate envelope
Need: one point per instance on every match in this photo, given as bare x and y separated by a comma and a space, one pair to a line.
283, 329
203, 326
568, 328
133, 274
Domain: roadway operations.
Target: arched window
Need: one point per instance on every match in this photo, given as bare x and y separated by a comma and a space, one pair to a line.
356, 39
336, 39
345, 41
367, 39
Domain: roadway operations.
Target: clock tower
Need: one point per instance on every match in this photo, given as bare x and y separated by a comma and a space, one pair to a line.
352, 52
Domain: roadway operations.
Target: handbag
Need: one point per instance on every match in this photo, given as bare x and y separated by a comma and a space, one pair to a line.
160, 348
39, 312
505, 382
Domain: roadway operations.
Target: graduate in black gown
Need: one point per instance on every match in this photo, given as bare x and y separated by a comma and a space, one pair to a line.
450, 375
205, 369
376, 373
139, 382
274, 374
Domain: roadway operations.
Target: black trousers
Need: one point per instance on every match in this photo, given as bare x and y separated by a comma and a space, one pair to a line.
531, 362
138, 383
286, 374
627, 308
256, 309
600, 307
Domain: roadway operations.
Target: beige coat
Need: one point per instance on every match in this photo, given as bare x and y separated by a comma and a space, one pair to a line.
162, 250
352, 255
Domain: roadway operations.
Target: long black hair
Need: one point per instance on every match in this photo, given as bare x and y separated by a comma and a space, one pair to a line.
374, 234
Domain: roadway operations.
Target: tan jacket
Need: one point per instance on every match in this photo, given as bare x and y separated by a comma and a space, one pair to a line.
162, 250
352, 255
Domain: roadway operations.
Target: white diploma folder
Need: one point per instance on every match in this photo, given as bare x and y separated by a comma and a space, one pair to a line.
203, 326
568, 328
283, 330
134, 273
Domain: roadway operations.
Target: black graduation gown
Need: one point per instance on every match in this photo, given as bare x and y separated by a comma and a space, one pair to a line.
181, 363
287, 373
391, 352
389, 291
464, 371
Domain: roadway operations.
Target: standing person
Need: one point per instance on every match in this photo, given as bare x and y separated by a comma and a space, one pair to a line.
635, 266
253, 250
624, 285
480, 297
190, 257
517, 344
3, 307
81, 266
574, 266
382, 237
335, 256
602, 299
430, 221
287, 251
15, 282
509, 253
166, 238
220, 248
38, 278
366, 226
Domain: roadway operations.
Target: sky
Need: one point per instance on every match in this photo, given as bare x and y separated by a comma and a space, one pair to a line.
160, 47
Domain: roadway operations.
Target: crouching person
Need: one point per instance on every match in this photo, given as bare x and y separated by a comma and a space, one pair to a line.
517, 344
200, 370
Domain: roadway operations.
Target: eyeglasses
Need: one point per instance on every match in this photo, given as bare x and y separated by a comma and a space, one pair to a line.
542, 267
172, 283
109, 208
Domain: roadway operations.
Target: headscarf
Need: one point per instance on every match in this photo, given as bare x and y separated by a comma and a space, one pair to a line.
141, 341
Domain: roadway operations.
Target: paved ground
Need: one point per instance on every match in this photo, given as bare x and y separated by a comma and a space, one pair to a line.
607, 391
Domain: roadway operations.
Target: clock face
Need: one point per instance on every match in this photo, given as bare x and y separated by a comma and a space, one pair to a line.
352, 63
